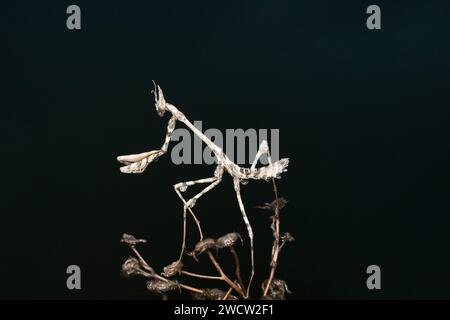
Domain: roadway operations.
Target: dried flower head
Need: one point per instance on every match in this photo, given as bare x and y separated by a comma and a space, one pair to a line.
131, 267
202, 246
277, 289
161, 286
228, 240
272, 205
131, 240
173, 269
287, 237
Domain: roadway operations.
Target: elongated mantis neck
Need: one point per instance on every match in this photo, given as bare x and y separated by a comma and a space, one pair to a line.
181, 117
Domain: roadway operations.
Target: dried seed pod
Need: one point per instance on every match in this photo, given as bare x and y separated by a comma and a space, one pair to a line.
212, 294
228, 240
160, 286
131, 267
202, 246
272, 205
287, 237
173, 268
131, 240
198, 296
277, 289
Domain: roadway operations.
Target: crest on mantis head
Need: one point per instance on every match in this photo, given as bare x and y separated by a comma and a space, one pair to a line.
160, 102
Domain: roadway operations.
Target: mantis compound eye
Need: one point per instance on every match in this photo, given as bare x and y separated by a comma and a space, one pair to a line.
160, 111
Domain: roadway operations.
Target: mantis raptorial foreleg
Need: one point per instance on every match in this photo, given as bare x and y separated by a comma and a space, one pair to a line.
137, 163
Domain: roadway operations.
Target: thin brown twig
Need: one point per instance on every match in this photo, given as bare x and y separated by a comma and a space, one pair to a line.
203, 276
224, 276
193, 289
141, 259
228, 292
276, 241
237, 271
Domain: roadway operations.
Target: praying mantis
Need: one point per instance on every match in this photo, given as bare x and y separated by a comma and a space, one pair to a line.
137, 163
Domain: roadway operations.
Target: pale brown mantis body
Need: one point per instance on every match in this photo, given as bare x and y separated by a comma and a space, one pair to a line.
137, 163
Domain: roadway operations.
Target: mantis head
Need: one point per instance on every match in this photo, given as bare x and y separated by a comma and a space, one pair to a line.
160, 102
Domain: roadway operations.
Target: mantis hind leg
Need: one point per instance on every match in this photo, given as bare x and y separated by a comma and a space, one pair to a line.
249, 231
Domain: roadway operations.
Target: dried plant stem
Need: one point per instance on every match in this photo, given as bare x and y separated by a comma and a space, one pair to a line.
228, 292
224, 276
237, 271
276, 241
144, 263
189, 288
196, 275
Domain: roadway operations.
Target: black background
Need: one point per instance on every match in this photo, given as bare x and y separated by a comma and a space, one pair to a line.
362, 114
